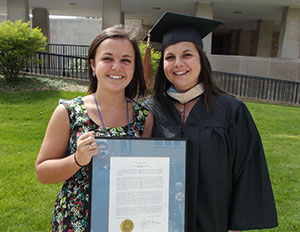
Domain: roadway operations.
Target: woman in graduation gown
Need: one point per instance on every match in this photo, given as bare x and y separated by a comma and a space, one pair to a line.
227, 181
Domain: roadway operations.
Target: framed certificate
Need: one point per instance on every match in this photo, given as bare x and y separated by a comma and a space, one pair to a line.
138, 185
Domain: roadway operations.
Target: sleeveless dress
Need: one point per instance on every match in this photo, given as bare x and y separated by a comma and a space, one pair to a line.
71, 206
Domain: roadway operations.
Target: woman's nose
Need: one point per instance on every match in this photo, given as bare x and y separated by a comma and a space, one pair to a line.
178, 62
116, 65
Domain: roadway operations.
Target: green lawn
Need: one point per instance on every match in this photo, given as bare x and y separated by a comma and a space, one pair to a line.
26, 205
280, 131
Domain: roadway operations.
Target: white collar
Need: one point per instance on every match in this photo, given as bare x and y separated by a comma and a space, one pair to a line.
188, 95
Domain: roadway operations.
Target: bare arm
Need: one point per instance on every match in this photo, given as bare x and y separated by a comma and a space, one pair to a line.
52, 164
148, 125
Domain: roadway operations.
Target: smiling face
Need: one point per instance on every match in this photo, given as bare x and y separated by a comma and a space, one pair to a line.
114, 64
182, 65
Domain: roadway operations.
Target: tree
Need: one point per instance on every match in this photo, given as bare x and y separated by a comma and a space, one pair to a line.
18, 46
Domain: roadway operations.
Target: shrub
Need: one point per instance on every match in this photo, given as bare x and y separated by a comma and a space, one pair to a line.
18, 45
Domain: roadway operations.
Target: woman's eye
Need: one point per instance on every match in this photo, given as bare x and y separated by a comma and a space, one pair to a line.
169, 57
126, 61
107, 58
187, 55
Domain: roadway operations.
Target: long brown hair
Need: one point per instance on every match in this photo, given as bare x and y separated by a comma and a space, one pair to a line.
137, 87
162, 84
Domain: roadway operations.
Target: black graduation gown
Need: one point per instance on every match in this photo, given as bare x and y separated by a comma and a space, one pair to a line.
228, 185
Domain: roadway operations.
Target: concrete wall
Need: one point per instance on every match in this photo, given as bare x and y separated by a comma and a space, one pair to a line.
80, 31
74, 31
65, 31
3, 17
284, 69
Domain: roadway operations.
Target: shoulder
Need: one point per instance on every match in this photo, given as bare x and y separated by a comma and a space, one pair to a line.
228, 102
232, 108
59, 118
72, 105
155, 106
140, 107
73, 102
140, 112
228, 105
75, 108
151, 102
227, 108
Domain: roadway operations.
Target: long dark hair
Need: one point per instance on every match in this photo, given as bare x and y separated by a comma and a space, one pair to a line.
162, 84
137, 87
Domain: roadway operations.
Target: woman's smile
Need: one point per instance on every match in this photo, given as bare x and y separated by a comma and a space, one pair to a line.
114, 64
115, 77
182, 65
180, 73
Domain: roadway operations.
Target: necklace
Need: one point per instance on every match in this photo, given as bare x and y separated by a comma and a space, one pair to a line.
183, 114
185, 108
100, 116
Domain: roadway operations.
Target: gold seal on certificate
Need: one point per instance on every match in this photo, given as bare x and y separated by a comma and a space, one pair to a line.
127, 225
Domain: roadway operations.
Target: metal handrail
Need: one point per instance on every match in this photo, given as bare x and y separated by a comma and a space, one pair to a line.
59, 65
238, 84
68, 49
259, 87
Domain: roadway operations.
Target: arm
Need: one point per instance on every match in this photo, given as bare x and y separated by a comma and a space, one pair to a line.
148, 125
250, 177
52, 164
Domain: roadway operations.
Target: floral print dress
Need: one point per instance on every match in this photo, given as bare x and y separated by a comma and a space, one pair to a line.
71, 206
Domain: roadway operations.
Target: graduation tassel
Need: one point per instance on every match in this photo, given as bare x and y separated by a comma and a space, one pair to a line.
147, 65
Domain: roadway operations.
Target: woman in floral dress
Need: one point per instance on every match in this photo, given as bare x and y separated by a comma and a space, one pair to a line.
115, 78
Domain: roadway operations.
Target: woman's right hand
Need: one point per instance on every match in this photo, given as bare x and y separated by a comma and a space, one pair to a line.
53, 165
86, 148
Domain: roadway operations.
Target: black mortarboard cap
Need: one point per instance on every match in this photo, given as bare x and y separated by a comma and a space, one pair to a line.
172, 28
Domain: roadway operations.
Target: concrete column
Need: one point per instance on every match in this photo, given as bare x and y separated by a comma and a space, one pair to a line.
17, 9
265, 35
289, 41
40, 18
245, 43
234, 42
205, 10
137, 25
111, 13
